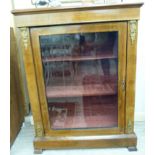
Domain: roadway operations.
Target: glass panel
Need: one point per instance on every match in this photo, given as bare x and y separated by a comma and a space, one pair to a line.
81, 77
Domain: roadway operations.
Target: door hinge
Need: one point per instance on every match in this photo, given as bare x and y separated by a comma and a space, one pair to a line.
123, 85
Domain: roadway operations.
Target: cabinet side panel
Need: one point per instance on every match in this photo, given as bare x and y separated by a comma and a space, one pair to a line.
131, 75
17, 110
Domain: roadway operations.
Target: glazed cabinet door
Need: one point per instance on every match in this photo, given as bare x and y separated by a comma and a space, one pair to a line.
80, 73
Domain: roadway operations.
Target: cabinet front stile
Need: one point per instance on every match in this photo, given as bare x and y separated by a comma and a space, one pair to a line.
31, 80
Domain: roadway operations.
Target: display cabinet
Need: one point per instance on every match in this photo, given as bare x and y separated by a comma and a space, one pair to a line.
80, 68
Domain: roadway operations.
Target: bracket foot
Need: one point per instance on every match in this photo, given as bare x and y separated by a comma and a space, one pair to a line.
38, 151
132, 148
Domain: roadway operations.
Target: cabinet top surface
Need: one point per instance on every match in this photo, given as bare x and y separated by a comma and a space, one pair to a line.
77, 8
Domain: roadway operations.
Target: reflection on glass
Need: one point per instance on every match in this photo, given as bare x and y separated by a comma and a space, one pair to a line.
81, 77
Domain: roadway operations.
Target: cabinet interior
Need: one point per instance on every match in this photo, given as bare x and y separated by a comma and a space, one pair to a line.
81, 77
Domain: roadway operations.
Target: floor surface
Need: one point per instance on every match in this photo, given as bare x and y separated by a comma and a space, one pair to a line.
23, 145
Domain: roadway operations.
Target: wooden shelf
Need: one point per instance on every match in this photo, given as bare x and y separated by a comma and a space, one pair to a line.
79, 58
81, 90
90, 112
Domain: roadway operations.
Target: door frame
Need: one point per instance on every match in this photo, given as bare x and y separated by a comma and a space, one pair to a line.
121, 27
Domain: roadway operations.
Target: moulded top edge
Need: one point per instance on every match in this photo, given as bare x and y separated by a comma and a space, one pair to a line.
75, 8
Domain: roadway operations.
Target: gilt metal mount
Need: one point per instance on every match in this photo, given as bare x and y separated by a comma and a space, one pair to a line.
38, 130
133, 30
25, 35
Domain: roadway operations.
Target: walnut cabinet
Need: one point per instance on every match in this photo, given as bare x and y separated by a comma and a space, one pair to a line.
80, 65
